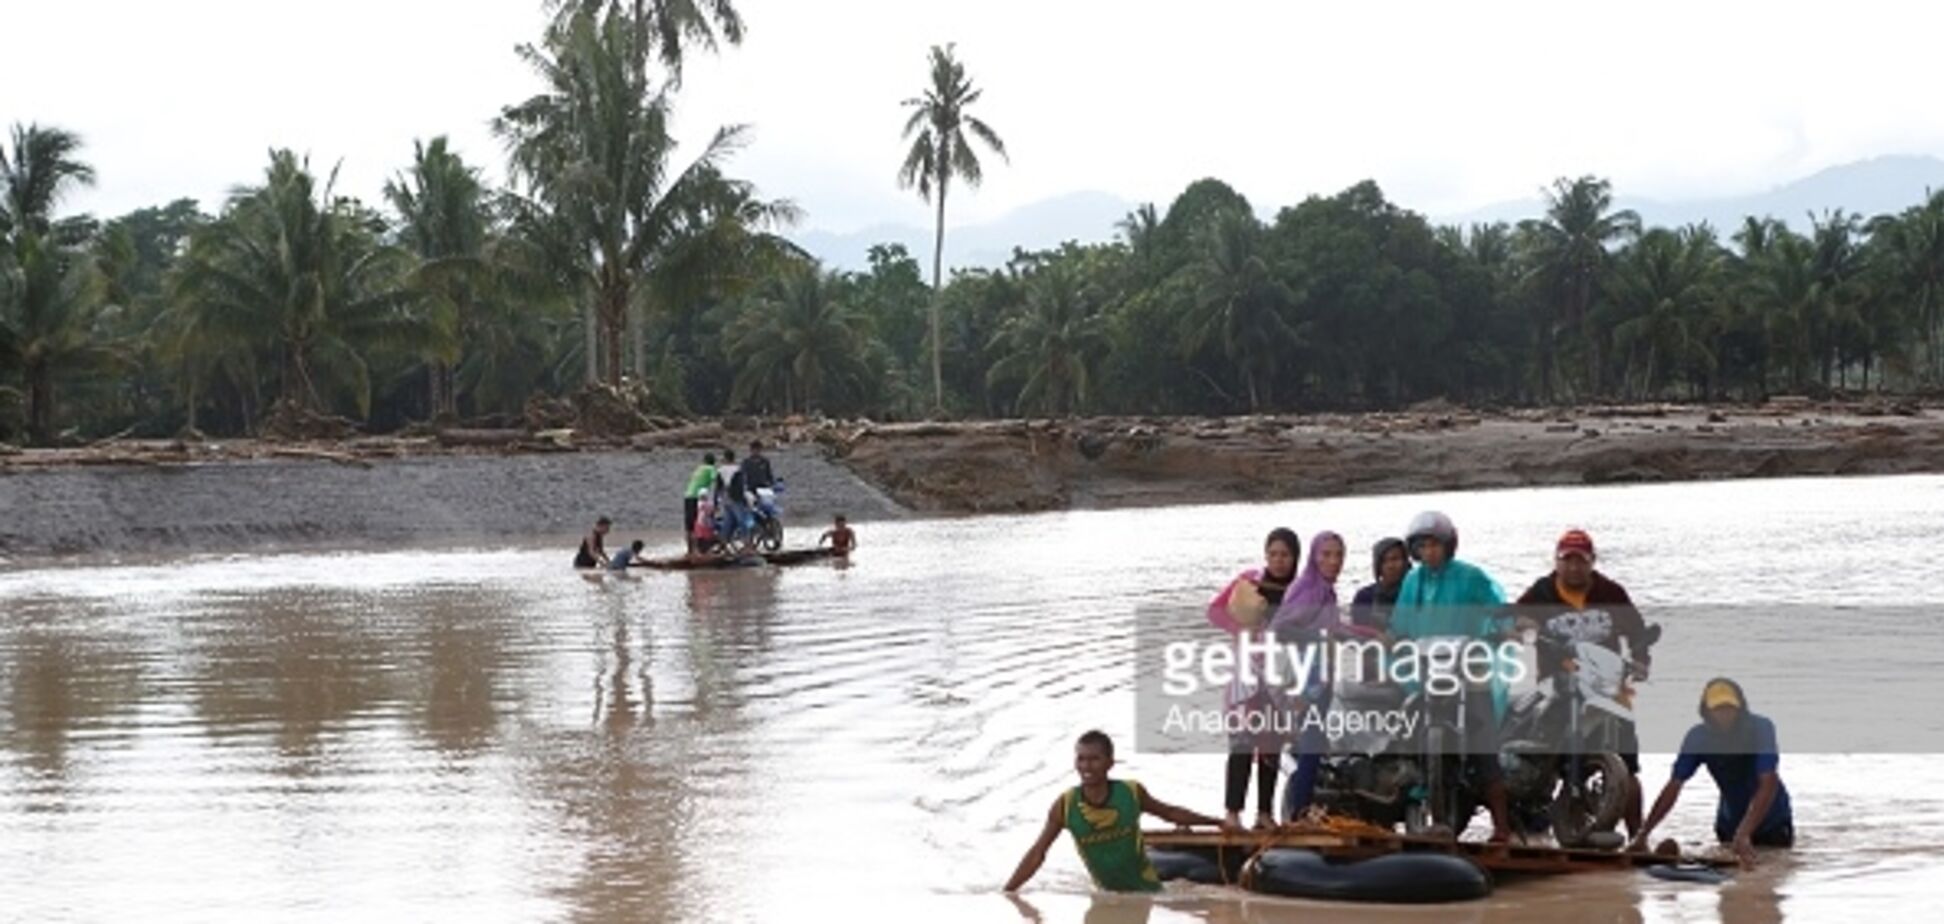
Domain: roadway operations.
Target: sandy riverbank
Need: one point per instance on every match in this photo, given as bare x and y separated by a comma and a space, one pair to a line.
172, 498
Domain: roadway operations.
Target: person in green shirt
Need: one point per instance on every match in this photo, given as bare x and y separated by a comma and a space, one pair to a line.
700, 483
1104, 816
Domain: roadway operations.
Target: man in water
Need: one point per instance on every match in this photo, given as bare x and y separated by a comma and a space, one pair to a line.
839, 536
700, 483
593, 550
1371, 607
1104, 816
1577, 603
1445, 597
1739, 749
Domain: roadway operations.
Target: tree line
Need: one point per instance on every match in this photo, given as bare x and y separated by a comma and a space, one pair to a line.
613, 260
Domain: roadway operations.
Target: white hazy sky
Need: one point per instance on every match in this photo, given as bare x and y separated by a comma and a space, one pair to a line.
1448, 105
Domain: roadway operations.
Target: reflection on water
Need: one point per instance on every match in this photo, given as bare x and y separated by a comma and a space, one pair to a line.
483, 735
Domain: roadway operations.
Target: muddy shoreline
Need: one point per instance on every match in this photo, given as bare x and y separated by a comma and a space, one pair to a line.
172, 497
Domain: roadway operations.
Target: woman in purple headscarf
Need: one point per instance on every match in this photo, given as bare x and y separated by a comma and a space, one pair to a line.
1309, 615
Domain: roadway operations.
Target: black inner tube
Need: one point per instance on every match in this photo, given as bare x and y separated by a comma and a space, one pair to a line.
1403, 878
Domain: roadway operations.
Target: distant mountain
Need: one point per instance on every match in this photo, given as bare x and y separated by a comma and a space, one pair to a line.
1866, 187
1087, 217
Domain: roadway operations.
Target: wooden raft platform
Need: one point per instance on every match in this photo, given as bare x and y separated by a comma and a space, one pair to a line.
1235, 848
701, 562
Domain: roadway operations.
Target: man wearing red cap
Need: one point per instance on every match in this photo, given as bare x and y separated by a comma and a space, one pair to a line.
1579, 603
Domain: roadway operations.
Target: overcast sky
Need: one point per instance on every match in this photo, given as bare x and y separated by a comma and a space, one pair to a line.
1448, 105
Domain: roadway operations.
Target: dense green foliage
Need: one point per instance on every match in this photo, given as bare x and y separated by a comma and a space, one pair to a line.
615, 257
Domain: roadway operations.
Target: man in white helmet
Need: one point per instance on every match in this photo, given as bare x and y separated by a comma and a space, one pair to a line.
1443, 596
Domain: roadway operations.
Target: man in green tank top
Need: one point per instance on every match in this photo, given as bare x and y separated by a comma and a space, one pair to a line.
1105, 818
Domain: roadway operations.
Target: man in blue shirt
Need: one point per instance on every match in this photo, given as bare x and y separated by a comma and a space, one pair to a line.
1739, 749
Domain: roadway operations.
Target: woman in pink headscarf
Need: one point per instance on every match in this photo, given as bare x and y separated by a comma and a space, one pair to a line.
1246, 607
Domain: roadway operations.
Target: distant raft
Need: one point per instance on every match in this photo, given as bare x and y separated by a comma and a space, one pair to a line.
708, 562
1400, 878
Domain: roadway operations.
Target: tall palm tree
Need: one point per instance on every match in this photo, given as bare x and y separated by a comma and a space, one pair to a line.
443, 221
1910, 253
1052, 341
1664, 286
800, 339
293, 278
595, 154
1241, 304
1572, 252
664, 29
940, 153
50, 292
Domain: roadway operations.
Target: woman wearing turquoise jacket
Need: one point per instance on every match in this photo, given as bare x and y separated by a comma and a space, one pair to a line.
1443, 596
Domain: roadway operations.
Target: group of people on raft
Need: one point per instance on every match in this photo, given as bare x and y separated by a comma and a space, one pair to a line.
729, 487
1422, 590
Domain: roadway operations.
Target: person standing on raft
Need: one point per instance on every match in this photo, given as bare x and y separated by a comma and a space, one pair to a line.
1104, 816
1244, 607
1371, 607
700, 484
1739, 749
1308, 615
1444, 596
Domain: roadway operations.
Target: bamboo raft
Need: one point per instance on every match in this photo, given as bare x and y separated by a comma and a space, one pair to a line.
1231, 849
706, 562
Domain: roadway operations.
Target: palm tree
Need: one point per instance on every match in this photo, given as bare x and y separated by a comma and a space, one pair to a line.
1241, 304
292, 277
1910, 254
1784, 288
1571, 254
1051, 341
50, 292
443, 221
664, 29
594, 152
1665, 285
940, 153
800, 339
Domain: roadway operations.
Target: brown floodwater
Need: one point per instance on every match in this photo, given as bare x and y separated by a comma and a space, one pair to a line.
482, 734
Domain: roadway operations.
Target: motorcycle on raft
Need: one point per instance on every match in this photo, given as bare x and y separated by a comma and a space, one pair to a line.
759, 529
1559, 750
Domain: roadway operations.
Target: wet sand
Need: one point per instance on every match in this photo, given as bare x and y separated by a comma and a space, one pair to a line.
238, 503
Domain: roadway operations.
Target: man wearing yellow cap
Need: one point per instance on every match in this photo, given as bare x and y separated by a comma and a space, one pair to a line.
1739, 749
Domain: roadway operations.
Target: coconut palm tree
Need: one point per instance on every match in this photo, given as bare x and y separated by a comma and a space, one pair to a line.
1052, 341
443, 221
50, 292
801, 339
1909, 249
1572, 250
1664, 285
293, 278
940, 153
665, 29
1241, 304
596, 157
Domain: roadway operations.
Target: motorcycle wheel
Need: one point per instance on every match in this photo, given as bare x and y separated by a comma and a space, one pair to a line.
1602, 801
770, 536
